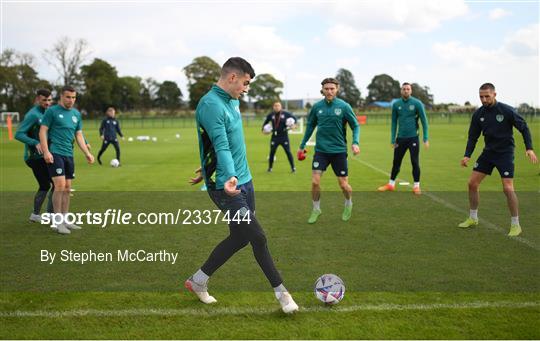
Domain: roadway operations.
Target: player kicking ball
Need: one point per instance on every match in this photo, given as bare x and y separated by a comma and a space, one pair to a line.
223, 157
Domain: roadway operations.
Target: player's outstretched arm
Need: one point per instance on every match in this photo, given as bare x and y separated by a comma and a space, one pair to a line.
198, 178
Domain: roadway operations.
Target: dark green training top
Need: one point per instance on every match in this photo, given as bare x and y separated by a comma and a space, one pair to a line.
331, 120
405, 115
28, 132
221, 139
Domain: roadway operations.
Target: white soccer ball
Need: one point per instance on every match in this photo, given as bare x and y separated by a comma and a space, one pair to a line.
329, 289
130, 139
289, 122
267, 129
177, 136
115, 163
154, 139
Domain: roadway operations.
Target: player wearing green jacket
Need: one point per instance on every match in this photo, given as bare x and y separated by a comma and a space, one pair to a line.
28, 133
225, 171
331, 116
405, 114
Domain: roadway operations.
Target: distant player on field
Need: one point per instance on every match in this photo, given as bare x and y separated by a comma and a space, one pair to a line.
330, 116
107, 131
225, 171
405, 114
60, 125
279, 120
495, 120
28, 133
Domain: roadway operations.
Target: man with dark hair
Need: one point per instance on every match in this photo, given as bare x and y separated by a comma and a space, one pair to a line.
60, 125
278, 123
495, 120
405, 114
330, 115
28, 133
107, 131
225, 171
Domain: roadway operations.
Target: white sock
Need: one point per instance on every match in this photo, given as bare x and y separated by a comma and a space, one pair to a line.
473, 214
514, 220
392, 182
348, 202
417, 184
278, 290
200, 278
317, 205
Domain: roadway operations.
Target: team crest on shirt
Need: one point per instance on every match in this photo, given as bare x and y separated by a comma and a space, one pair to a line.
481, 119
399, 108
337, 111
114, 122
74, 119
411, 107
499, 118
61, 116
320, 111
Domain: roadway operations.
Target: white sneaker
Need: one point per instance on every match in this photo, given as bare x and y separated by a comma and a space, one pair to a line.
35, 218
200, 291
287, 303
72, 226
62, 229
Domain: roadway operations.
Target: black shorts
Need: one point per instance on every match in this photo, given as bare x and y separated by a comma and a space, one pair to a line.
243, 202
40, 170
338, 162
62, 166
503, 162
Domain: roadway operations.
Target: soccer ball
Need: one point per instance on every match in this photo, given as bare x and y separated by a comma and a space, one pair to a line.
329, 289
267, 129
115, 163
289, 122
130, 139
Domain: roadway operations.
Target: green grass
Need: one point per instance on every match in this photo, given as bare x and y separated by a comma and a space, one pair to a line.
409, 272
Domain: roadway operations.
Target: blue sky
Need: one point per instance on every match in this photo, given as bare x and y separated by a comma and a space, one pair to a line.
451, 46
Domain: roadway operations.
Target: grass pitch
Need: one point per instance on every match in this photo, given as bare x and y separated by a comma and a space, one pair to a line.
409, 271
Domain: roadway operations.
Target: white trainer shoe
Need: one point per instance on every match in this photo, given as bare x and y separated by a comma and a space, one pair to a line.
72, 226
200, 291
35, 218
62, 229
287, 303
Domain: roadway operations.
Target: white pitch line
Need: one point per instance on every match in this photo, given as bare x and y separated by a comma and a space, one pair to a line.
453, 207
212, 311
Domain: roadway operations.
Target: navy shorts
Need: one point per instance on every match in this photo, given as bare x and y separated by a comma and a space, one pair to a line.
62, 166
338, 162
489, 160
243, 202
